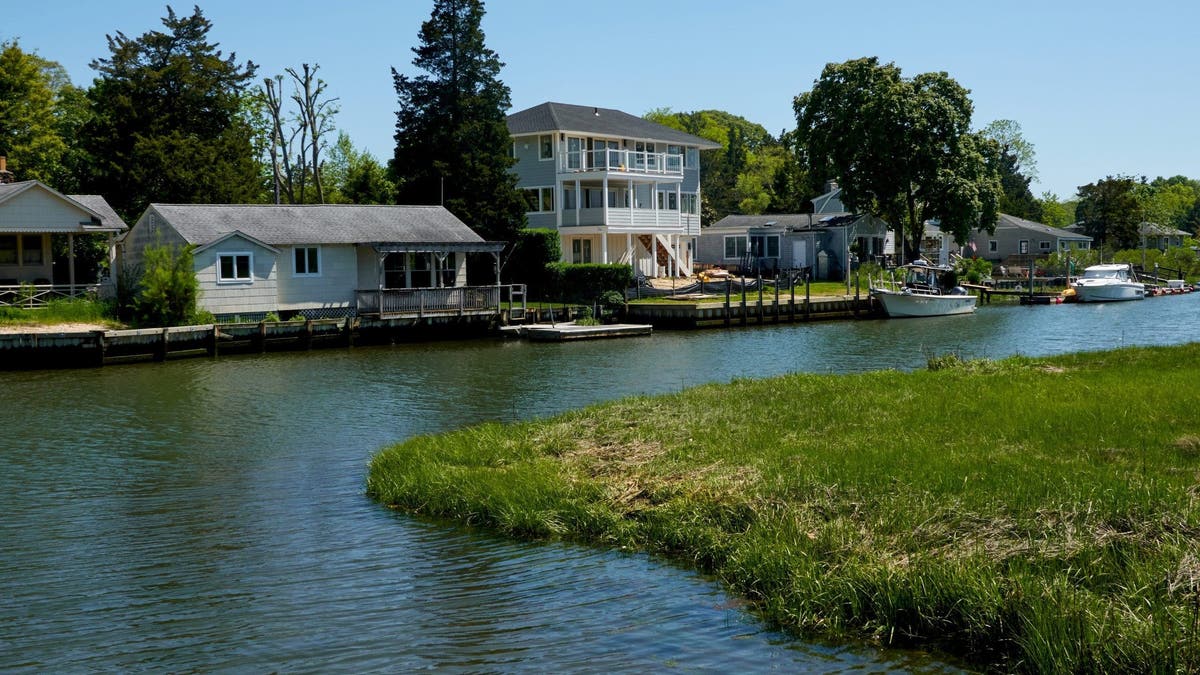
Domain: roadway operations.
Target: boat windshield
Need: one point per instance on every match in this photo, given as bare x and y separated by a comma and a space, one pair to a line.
1104, 274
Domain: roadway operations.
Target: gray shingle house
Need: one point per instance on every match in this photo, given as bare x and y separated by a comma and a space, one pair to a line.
1019, 237
617, 188
310, 260
818, 241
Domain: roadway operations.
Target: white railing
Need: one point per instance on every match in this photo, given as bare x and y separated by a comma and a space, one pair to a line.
622, 160
32, 296
623, 216
422, 302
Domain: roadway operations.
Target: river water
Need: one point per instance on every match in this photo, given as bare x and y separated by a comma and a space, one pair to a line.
209, 515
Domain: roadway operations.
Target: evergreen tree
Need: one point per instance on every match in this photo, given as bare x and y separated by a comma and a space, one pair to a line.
169, 122
1110, 212
452, 141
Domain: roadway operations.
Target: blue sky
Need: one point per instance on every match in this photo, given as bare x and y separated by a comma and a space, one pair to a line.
1098, 87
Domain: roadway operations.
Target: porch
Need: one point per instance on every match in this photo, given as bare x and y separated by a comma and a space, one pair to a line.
577, 160
32, 296
422, 303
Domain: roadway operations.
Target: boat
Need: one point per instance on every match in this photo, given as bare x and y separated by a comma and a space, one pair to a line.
927, 290
1108, 283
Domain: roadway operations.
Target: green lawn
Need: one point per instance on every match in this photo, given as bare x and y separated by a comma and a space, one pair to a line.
60, 312
1029, 514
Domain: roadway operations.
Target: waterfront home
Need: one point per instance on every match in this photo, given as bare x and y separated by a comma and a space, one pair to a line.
1160, 237
616, 187
1018, 239
821, 242
321, 260
32, 216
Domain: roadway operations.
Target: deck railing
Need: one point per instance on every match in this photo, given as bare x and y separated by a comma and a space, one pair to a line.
622, 160
32, 296
394, 303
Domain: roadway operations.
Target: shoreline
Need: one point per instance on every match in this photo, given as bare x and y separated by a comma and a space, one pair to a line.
989, 509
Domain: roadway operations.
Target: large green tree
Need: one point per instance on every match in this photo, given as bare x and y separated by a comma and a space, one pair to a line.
1017, 165
1110, 212
29, 135
901, 148
169, 123
452, 141
354, 176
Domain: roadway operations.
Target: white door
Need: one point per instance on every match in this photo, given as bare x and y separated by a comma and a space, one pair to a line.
799, 251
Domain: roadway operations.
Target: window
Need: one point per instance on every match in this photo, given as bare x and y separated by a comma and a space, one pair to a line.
574, 153
568, 198
992, 246
512, 150
545, 147
1023, 246
8, 250
307, 261
764, 245
1044, 245
668, 200
735, 246
691, 160
31, 249
690, 202
233, 267
538, 199
581, 250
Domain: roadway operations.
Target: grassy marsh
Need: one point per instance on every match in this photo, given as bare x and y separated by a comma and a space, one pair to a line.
61, 311
1030, 514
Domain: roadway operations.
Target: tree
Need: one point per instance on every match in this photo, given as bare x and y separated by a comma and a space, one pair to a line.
169, 123
452, 141
1056, 213
28, 127
1110, 212
1168, 201
901, 148
355, 176
295, 141
1008, 134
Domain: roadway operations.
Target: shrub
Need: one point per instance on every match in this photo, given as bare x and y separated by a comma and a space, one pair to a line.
590, 281
168, 289
533, 250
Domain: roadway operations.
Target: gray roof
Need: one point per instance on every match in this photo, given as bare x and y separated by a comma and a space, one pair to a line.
549, 117
284, 224
1005, 220
97, 203
786, 221
830, 202
1148, 229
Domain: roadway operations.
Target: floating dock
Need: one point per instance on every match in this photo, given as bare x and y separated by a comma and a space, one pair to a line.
562, 332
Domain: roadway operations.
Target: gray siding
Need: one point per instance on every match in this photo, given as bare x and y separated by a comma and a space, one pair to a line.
150, 230
529, 169
334, 287
256, 296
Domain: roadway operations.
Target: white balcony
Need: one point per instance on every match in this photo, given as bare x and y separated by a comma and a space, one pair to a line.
621, 219
621, 162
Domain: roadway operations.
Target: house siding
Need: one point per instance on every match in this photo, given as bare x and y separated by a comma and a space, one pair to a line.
532, 171
36, 210
260, 295
150, 230
334, 287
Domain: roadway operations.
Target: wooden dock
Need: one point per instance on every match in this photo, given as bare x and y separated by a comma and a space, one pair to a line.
562, 332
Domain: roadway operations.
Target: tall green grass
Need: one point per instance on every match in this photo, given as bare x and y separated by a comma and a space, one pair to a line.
58, 311
1031, 514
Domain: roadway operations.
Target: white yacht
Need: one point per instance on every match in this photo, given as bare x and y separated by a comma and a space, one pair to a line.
1108, 283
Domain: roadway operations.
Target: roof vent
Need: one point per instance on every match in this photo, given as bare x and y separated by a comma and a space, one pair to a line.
596, 112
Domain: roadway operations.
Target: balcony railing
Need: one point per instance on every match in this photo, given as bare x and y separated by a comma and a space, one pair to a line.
659, 163
32, 296
396, 303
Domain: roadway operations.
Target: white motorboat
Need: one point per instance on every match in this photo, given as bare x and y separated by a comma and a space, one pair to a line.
1108, 283
924, 293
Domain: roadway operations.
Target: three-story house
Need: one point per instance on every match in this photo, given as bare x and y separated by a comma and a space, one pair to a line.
618, 188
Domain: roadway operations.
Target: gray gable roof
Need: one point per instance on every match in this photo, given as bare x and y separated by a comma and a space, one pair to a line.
1006, 221
282, 224
830, 202
97, 204
550, 117
786, 221
104, 218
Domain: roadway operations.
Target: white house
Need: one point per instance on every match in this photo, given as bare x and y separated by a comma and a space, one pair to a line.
618, 188
31, 215
319, 260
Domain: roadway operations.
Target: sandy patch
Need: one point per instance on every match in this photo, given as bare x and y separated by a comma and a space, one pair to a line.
52, 328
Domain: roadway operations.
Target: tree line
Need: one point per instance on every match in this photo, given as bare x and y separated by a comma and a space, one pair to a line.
170, 118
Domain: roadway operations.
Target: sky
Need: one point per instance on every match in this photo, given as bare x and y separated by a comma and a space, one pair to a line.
1099, 88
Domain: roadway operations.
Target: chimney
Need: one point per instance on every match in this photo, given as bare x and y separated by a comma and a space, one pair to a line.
830, 186
6, 176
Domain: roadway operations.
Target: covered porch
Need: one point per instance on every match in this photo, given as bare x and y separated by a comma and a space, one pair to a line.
428, 279
36, 225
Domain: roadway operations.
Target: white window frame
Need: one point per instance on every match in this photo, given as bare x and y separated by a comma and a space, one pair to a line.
1023, 247
545, 198
249, 255
306, 273
546, 158
691, 158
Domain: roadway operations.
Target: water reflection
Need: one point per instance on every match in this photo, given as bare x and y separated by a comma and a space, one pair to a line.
209, 515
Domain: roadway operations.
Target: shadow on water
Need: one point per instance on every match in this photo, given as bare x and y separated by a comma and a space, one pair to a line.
209, 514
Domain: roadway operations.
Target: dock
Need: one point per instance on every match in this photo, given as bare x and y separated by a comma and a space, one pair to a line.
562, 332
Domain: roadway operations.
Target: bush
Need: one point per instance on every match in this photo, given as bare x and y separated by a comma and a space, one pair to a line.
533, 250
168, 289
590, 281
